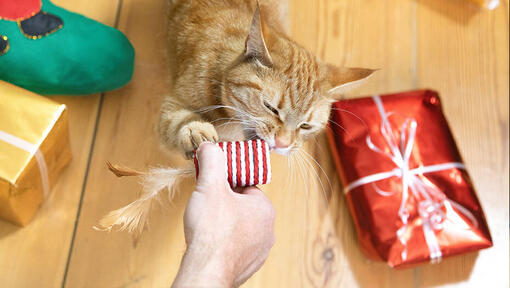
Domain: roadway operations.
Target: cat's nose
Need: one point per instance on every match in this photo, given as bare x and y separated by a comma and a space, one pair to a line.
282, 142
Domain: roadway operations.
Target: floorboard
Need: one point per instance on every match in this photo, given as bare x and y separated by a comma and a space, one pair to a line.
36, 256
449, 46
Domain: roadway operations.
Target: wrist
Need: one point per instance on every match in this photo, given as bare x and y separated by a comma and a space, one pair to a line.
203, 267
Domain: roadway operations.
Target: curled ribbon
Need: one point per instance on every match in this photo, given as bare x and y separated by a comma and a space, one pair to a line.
430, 200
32, 150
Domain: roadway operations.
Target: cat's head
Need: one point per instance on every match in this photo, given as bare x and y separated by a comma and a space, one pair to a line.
280, 92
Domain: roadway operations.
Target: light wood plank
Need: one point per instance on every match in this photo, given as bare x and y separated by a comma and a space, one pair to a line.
463, 53
302, 229
126, 135
36, 256
378, 40
316, 244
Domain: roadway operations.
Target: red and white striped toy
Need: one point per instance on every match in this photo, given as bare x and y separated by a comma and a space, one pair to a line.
247, 162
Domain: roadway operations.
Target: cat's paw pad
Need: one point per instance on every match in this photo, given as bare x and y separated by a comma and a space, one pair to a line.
195, 133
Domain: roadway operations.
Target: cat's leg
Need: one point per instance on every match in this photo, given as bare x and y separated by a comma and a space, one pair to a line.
184, 129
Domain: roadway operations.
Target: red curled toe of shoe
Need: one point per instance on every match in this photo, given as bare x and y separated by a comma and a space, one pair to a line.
19, 10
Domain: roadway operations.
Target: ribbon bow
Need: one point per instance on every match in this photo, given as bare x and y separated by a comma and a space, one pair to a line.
430, 200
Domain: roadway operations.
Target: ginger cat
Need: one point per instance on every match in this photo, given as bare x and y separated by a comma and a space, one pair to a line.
237, 75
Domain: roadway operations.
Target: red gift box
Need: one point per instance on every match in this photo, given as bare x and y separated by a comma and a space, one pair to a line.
408, 191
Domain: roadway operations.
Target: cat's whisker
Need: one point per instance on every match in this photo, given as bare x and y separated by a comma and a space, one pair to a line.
340, 126
208, 108
303, 174
248, 115
214, 107
246, 125
304, 170
317, 142
221, 119
351, 113
251, 118
320, 167
307, 206
310, 165
233, 121
299, 173
292, 164
288, 174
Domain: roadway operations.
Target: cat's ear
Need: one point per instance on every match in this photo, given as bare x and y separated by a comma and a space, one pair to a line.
255, 46
343, 79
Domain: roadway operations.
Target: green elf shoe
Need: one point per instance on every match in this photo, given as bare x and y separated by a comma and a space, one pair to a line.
49, 50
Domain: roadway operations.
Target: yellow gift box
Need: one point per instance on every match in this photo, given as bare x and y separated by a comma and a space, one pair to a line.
34, 147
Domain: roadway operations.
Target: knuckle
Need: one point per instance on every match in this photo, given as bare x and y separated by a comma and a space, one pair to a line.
269, 212
272, 240
269, 207
272, 211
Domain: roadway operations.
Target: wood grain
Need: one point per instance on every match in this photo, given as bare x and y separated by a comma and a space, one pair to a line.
324, 251
36, 256
463, 53
445, 45
126, 129
307, 245
316, 244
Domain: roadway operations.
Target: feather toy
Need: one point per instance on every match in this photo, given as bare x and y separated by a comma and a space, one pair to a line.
247, 164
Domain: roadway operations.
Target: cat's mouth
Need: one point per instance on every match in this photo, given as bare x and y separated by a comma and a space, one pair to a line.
278, 150
283, 151
250, 134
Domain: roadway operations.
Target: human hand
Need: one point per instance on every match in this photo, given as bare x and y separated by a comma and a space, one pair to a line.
228, 234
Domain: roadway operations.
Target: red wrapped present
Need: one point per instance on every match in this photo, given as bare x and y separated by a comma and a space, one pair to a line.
408, 191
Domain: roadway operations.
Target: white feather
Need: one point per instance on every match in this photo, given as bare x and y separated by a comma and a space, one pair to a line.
134, 216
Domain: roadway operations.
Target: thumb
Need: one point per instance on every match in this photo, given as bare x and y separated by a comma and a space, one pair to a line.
251, 190
211, 163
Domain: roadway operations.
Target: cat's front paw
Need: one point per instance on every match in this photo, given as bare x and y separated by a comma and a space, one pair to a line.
193, 134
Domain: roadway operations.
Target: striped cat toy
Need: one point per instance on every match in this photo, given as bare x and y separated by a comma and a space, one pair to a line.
247, 164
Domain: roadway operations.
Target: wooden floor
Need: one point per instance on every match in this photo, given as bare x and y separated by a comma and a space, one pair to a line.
444, 45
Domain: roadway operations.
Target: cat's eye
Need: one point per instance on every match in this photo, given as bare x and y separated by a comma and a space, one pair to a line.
305, 126
271, 108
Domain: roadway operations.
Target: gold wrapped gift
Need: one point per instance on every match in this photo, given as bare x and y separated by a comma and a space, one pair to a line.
34, 147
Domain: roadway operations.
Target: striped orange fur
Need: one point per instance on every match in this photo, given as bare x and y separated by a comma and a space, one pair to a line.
236, 75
